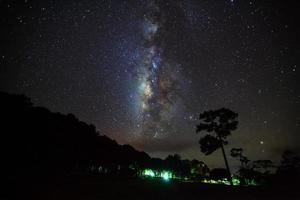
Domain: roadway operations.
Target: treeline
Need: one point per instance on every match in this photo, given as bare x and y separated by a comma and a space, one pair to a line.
265, 172
37, 142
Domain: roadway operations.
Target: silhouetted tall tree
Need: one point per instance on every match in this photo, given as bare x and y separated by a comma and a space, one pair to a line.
216, 125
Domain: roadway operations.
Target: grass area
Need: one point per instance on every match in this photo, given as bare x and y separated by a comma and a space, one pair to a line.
92, 188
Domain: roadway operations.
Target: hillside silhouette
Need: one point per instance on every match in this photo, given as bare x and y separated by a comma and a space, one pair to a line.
45, 153
36, 141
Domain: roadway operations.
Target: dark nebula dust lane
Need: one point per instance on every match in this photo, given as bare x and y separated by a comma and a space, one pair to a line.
158, 79
143, 70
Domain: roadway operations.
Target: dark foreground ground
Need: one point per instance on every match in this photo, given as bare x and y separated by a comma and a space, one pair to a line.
90, 188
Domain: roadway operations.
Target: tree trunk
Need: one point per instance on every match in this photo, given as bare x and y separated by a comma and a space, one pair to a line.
226, 163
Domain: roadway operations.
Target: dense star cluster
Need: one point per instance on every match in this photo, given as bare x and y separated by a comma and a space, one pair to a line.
143, 70
157, 79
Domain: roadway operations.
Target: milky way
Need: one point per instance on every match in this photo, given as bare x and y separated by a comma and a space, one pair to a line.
158, 84
142, 71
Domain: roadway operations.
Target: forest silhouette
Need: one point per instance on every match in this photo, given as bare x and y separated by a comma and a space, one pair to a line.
37, 145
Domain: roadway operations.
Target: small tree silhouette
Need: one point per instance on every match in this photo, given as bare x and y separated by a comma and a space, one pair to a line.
238, 153
217, 124
289, 169
245, 172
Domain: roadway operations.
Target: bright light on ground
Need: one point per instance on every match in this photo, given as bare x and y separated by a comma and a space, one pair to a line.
149, 172
165, 175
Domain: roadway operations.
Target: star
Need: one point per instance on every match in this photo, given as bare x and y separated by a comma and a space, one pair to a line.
149, 68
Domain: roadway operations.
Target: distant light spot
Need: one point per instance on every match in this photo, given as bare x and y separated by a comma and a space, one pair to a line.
261, 142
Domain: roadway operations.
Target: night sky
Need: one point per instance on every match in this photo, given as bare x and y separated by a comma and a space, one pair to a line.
142, 71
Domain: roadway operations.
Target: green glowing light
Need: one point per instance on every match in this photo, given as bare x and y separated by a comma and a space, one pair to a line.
224, 181
165, 176
149, 172
235, 181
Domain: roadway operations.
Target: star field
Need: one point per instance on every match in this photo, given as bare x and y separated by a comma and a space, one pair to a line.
142, 71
